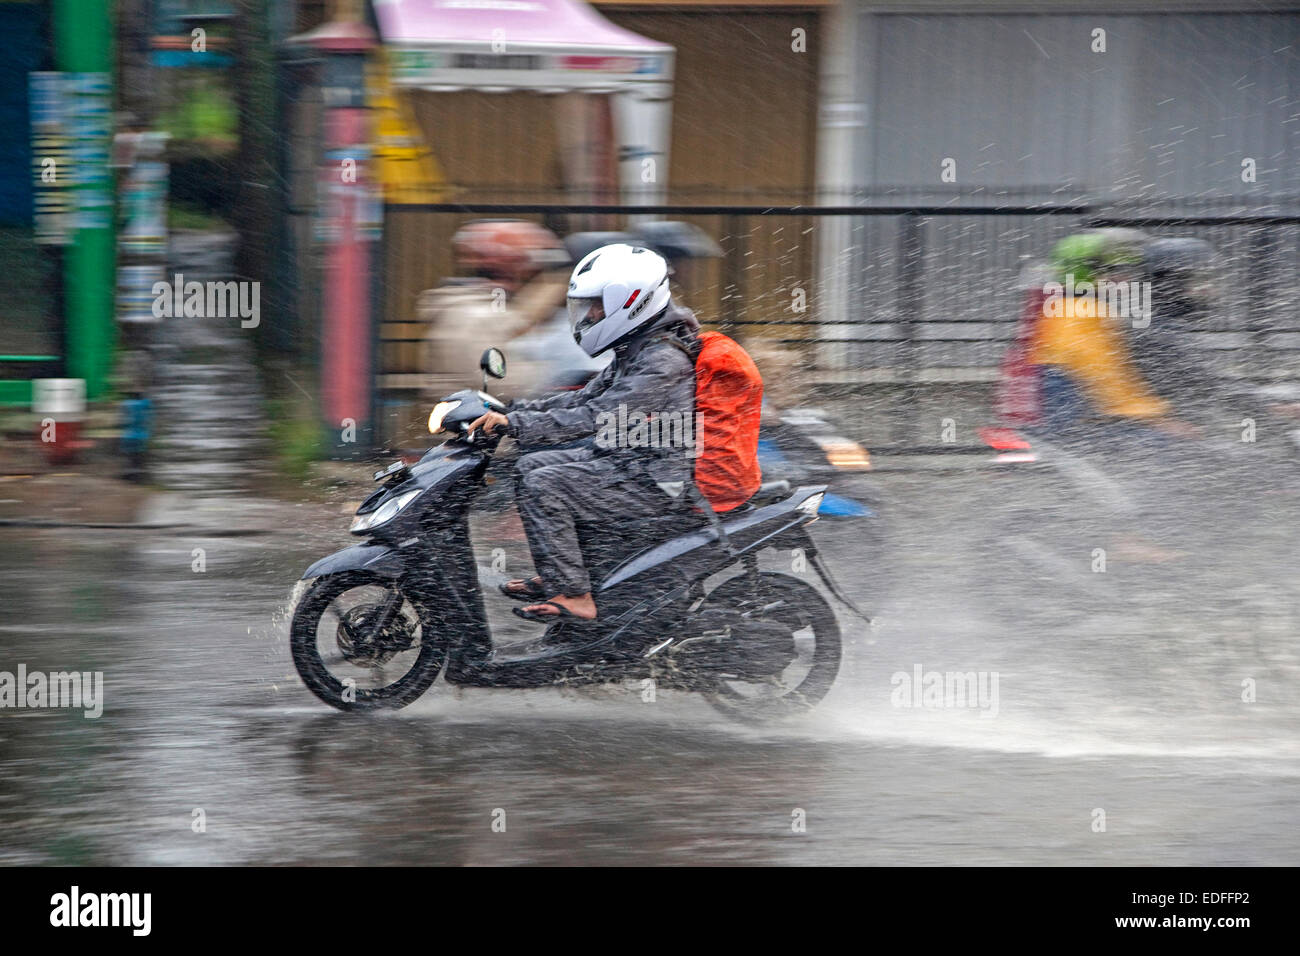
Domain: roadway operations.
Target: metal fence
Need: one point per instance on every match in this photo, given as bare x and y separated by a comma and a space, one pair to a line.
892, 292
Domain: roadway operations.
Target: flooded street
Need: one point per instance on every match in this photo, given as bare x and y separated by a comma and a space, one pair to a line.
1119, 692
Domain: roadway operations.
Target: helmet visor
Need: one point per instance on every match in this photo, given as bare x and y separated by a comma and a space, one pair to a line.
584, 312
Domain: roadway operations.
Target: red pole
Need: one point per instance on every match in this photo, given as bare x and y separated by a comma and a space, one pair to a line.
349, 229
346, 362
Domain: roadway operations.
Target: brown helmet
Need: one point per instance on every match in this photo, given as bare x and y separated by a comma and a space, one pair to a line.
509, 251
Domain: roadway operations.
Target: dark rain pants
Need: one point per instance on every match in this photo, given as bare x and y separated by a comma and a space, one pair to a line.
557, 489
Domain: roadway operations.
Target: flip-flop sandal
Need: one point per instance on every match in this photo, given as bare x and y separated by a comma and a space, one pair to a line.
530, 592
539, 616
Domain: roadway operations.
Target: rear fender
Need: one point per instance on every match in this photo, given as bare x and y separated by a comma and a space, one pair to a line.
798, 537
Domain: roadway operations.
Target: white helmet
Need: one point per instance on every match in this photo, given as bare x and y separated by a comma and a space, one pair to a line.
613, 292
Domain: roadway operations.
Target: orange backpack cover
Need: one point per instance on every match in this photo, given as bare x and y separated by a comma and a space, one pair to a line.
728, 405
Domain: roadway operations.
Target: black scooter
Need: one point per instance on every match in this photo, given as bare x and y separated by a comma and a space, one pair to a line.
383, 619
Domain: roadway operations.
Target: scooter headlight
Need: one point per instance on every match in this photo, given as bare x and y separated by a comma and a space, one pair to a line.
385, 512
441, 411
810, 504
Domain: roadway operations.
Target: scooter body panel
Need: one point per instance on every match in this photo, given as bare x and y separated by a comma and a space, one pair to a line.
377, 558
697, 554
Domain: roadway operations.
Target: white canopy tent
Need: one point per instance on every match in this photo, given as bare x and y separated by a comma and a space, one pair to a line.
548, 46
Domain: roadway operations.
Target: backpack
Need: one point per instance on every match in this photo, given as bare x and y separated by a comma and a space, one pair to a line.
728, 405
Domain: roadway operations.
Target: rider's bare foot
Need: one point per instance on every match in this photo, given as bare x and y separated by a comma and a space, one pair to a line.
583, 607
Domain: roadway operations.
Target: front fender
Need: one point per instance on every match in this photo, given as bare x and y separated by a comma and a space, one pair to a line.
378, 558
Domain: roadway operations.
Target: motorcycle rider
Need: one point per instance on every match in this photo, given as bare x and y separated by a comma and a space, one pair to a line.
619, 300
1086, 366
1098, 399
513, 279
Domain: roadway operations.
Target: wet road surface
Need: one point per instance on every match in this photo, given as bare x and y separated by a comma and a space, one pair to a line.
1120, 692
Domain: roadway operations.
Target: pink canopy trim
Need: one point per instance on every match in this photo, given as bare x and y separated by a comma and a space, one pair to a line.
569, 23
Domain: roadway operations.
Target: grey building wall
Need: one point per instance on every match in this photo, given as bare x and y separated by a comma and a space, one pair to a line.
1159, 122
1169, 110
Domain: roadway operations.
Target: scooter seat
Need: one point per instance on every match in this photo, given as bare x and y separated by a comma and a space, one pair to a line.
606, 544
771, 491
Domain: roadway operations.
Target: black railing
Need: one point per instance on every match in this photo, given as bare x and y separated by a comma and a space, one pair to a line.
930, 292
928, 284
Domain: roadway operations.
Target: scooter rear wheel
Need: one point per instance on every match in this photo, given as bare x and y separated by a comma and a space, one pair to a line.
795, 605
350, 671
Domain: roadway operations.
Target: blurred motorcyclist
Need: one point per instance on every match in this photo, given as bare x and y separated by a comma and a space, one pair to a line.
684, 245
1081, 348
512, 278
553, 359
618, 300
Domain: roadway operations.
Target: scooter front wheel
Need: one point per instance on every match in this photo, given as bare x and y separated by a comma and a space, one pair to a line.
360, 644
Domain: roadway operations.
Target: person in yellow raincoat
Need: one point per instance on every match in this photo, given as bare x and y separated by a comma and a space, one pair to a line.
1093, 392
1088, 375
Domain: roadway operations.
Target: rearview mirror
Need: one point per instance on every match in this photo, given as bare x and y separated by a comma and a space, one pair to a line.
493, 363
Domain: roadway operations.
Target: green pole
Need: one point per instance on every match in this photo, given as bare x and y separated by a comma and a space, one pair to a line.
83, 43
